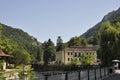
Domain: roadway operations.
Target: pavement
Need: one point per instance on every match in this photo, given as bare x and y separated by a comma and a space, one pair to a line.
115, 76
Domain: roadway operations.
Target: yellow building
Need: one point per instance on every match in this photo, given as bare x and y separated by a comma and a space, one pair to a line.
67, 55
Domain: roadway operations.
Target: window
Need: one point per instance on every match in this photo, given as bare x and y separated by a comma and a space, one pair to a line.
87, 53
79, 54
75, 55
68, 59
68, 53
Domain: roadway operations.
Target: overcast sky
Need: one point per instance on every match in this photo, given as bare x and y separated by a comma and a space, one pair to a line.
46, 19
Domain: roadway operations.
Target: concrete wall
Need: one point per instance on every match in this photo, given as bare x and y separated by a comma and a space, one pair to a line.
89, 74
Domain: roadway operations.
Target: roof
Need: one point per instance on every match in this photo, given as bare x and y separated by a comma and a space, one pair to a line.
83, 48
2, 54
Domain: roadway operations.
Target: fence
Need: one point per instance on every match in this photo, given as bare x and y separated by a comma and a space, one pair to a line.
88, 74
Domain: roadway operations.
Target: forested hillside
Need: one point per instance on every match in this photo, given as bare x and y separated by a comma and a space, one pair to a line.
109, 17
16, 39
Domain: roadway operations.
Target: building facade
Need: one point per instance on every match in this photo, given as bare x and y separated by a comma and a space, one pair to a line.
67, 55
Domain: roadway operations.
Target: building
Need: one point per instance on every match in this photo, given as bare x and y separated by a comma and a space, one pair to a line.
3, 60
67, 55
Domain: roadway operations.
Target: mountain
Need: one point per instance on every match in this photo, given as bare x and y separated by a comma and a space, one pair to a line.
23, 40
18, 35
112, 16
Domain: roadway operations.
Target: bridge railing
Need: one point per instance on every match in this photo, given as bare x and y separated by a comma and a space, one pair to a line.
88, 74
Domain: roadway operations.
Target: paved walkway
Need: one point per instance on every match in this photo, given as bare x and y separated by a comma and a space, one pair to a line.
115, 76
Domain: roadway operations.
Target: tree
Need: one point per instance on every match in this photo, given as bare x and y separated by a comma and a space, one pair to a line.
109, 42
1, 64
75, 61
104, 43
39, 54
87, 59
83, 42
93, 40
0, 30
49, 54
60, 45
49, 51
12, 36
47, 44
50, 42
77, 41
7, 46
21, 57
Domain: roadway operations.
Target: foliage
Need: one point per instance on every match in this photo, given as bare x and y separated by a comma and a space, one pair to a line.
93, 40
87, 59
49, 51
12, 37
0, 30
109, 41
49, 54
21, 57
27, 73
108, 36
60, 44
7, 46
2, 76
75, 61
77, 41
39, 54
1, 64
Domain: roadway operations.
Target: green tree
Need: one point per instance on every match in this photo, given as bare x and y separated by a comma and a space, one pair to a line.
83, 42
77, 41
60, 45
87, 59
49, 54
75, 61
109, 42
93, 40
0, 30
18, 37
49, 51
1, 64
39, 54
21, 57
7, 46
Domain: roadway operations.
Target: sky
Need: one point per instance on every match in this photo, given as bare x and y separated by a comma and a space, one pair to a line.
46, 19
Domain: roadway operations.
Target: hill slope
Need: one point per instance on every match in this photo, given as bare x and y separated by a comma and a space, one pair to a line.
21, 38
109, 17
